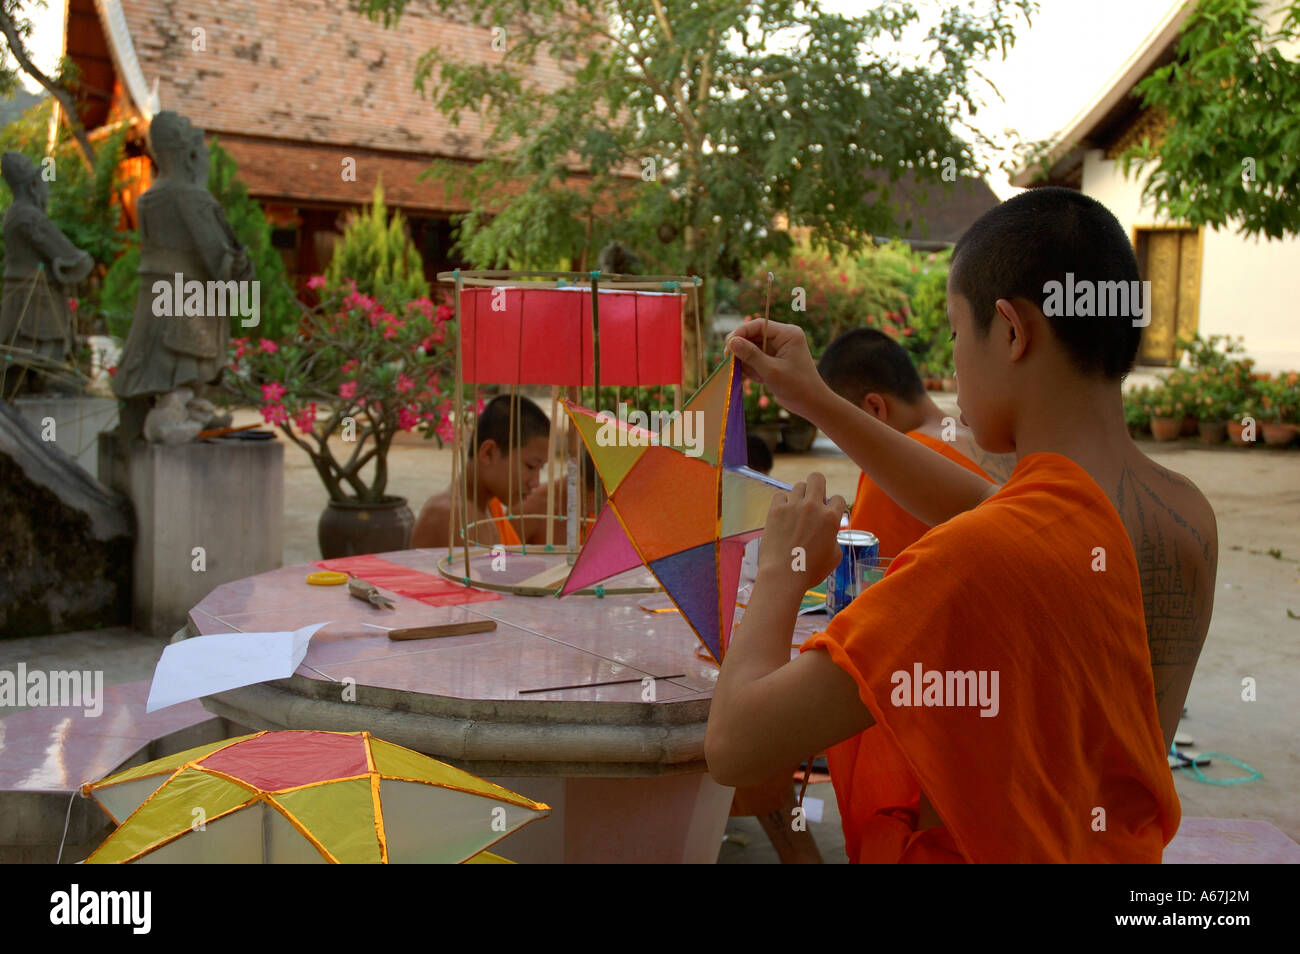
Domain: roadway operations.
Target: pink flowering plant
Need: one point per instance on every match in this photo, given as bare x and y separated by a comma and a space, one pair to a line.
358, 371
897, 291
760, 407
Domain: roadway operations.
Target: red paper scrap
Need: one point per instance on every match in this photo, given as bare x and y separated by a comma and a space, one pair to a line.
416, 584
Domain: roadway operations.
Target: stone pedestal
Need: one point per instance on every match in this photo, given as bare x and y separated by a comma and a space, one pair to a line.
73, 424
225, 497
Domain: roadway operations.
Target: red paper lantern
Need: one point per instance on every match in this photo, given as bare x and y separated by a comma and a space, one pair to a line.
513, 335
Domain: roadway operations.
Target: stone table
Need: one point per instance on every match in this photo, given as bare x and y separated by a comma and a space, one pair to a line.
622, 766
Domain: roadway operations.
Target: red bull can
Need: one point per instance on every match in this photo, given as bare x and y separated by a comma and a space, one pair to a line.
858, 553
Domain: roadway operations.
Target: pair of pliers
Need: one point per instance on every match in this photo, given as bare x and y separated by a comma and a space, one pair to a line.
366, 591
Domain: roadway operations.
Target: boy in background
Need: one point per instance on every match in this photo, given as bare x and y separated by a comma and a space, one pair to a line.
872, 371
534, 507
773, 801
504, 461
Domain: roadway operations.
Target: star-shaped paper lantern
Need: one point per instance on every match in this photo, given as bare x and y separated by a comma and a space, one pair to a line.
682, 502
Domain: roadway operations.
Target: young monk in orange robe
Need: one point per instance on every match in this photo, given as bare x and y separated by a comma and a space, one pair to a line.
1030, 655
536, 506
506, 454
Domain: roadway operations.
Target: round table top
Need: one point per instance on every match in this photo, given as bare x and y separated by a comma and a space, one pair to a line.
608, 685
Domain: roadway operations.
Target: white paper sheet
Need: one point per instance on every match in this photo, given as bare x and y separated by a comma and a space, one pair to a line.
205, 665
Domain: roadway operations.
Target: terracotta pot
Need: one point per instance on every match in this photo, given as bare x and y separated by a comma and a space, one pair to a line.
349, 528
1212, 432
1279, 435
950, 384
797, 435
1166, 428
1189, 426
769, 433
1234, 434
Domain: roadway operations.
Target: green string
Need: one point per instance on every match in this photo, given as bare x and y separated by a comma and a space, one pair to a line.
1187, 763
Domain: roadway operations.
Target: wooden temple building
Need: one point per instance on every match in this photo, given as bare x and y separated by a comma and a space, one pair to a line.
297, 91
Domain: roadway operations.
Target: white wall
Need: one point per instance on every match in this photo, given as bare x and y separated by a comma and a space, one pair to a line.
1249, 287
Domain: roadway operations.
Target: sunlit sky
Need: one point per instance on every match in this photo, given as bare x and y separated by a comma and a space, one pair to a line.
1057, 66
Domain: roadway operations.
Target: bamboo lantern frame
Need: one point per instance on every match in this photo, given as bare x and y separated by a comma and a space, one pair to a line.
569, 447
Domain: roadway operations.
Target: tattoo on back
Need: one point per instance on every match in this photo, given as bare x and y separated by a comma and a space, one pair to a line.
1175, 595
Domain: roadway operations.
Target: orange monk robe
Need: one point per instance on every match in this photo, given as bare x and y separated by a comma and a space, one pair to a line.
1072, 766
894, 527
505, 531
889, 786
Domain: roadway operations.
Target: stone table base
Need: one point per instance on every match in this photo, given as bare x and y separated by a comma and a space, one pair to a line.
555, 703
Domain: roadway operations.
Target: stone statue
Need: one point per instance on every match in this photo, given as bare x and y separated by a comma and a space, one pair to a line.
41, 265
184, 239
177, 417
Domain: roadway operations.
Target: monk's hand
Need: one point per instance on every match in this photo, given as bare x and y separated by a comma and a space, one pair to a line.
799, 538
786, 367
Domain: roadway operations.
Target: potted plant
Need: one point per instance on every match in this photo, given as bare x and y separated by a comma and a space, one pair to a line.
1278, 400
1216, 354
797, 434
357, 373
1167, 411
1244, 411
1209, 401
1137, 413
1182, 389
762, 414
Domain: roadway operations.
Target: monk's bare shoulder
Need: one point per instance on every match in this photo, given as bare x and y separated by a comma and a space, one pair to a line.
1175, 539
997, 466
433, 523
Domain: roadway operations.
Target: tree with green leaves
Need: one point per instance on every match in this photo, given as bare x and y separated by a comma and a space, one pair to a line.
1230, 152
377, 254
699, 125
16, 31
279, 301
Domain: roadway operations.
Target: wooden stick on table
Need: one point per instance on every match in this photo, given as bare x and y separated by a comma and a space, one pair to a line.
443, 629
